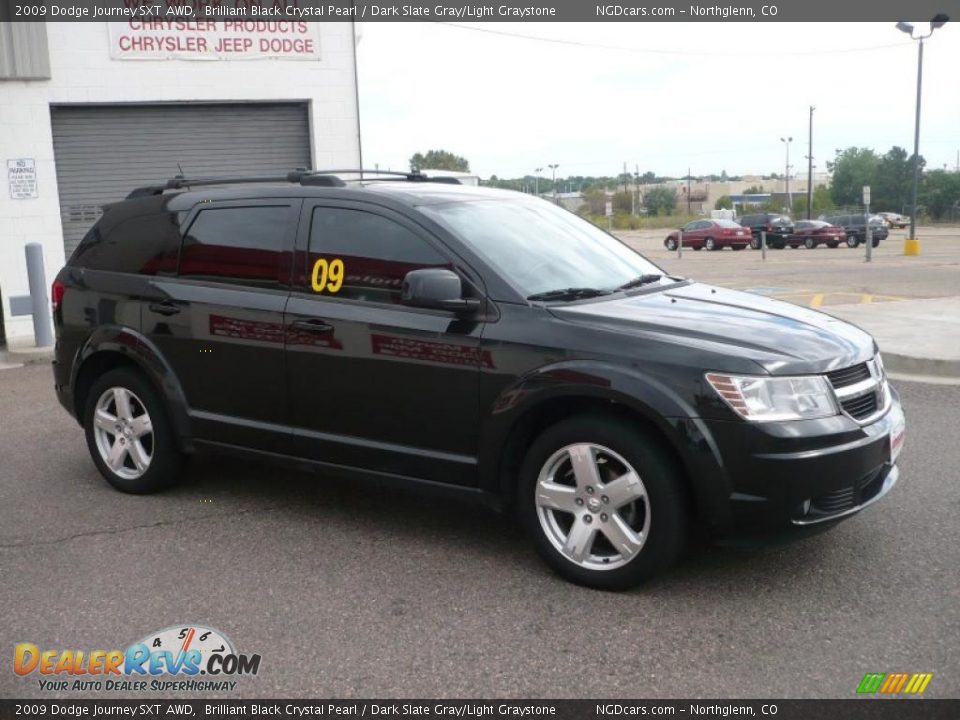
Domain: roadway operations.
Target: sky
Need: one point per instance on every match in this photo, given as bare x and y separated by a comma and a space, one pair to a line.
661, 96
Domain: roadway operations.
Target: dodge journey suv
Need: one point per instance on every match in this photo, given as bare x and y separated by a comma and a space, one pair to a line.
472, 341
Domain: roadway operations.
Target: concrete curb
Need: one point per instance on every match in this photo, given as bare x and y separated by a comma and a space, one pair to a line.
921, 366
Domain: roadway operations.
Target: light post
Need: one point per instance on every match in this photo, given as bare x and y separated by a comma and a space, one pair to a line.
911, 246
786, 141
810, 163
553, 168
537, 181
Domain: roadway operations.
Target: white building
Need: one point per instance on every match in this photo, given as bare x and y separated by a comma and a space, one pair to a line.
91, 110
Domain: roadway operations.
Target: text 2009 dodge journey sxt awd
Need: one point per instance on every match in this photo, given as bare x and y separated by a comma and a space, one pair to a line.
480, 342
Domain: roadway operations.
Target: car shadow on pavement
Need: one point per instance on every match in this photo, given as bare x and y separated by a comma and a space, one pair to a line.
232, 484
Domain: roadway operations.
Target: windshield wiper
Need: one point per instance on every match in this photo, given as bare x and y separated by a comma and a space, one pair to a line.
641, 280
571, 293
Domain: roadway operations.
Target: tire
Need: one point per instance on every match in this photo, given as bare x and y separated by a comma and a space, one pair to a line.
710, 244
652, 520
755, 243
875, 242
810, 243
149, 459
852, 241
670, 243
833, 244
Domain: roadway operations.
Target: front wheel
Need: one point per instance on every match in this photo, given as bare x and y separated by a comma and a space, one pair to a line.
128, 434
710, 244
670, 243
755, 243
809, 243
602, 502
852, 241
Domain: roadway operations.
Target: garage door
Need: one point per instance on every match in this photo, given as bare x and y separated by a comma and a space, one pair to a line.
103, 152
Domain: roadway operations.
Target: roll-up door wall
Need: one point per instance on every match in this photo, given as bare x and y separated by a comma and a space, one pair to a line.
103, 152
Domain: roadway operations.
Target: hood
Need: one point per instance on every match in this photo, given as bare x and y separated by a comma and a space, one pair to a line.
782, 338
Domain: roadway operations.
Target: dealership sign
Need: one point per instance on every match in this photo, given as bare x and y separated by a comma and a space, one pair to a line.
240, 40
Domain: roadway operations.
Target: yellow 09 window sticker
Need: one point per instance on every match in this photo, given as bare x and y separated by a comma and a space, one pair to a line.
327, 275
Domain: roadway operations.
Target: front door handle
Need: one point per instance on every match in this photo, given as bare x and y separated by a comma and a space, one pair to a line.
314, 326
164, 308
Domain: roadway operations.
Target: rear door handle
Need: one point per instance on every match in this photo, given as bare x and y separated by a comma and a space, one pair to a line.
314, 326
164, 308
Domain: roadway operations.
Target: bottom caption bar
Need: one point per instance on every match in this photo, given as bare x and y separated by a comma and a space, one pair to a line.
573, 709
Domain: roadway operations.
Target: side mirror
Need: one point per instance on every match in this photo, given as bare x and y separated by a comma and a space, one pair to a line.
436, 288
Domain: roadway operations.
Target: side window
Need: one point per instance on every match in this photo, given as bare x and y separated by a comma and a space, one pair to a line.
144, 245
236, 244
362, 256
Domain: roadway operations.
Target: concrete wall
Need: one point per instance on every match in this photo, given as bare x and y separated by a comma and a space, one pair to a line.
83, 72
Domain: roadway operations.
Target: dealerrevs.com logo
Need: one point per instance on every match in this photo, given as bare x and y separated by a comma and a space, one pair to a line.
178, 658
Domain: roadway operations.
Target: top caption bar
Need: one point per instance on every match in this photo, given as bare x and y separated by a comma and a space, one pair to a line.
539, 11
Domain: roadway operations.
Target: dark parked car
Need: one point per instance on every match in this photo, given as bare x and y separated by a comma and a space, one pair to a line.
468, 341
777, 226
855, 226
710, 234
811, 233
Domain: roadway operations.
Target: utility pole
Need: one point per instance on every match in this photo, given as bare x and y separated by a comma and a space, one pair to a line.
810, 163
688, 190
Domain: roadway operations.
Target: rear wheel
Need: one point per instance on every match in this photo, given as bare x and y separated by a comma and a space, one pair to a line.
852, 241
809, 243
755, 243
876, 242
128, 434
710, 244
602, 502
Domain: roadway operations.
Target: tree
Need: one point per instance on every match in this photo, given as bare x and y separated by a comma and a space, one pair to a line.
893, 183
660, 201
724, 202
439, 160
753, 190
940, 193
852, 169
821, 203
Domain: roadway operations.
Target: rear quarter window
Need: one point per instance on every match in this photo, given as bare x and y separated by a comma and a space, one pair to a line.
142, 245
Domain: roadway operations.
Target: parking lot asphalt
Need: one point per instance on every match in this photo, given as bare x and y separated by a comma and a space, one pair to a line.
823, 276
353, 590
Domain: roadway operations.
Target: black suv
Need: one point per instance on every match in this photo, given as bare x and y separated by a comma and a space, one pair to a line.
856, 227
779, 228
474, 341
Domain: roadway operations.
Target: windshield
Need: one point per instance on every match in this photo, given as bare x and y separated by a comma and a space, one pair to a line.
538, 247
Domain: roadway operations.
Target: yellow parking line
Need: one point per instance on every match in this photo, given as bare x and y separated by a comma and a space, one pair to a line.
817, 300
866, 298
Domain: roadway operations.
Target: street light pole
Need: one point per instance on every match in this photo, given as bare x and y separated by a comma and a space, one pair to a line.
554, 169
810, 164
786, 141
537, 181
911, 245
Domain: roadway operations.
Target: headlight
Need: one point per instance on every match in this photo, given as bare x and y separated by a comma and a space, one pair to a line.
775, 399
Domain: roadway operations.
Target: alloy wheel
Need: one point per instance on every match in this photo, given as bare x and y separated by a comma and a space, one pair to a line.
593, 506
123, 432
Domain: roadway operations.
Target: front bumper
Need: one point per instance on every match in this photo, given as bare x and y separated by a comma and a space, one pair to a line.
789, 479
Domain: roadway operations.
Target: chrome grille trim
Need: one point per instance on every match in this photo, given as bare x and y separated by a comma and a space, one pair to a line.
853, 399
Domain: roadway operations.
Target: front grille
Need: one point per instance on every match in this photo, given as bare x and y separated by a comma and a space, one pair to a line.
849, 376
862, 406
835, 502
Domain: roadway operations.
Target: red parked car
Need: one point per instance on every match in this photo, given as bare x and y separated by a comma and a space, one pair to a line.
811, 233
711, 234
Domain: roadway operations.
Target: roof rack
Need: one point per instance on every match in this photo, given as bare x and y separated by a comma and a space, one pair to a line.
302, 176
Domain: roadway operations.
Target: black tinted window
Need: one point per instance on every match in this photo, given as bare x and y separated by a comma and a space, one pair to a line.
362, 256
237, 244
145, 245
